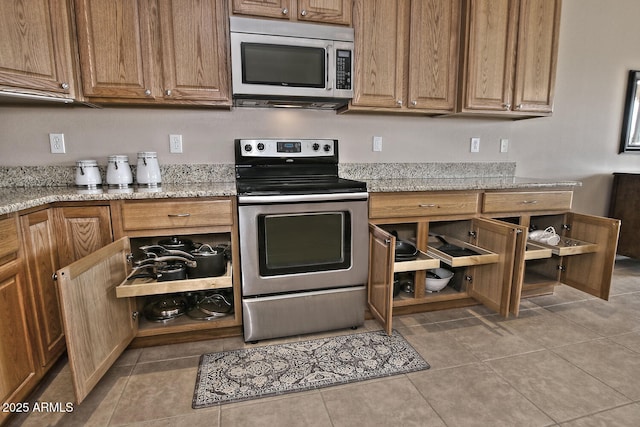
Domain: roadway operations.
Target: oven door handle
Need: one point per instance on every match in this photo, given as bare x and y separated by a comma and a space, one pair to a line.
297, 198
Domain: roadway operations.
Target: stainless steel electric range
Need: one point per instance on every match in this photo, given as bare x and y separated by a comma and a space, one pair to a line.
303, 238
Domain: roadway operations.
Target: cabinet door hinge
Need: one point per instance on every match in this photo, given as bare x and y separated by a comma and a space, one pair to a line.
562, 268
468, 278
473, 234
134, 315
130, 258
566, 227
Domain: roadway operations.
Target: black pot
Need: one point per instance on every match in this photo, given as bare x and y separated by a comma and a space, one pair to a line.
176, 243
174, 271
211, 261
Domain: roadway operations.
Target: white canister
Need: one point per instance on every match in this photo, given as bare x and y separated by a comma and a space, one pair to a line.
119, 171
88, 174
148, 169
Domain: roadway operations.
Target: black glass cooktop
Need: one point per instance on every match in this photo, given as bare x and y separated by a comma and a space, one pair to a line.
306, 185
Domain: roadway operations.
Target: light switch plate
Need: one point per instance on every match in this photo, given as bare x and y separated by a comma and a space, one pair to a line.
475, 145
504, 145
377, 143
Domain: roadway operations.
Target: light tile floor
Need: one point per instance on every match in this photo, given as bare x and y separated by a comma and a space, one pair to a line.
569, 359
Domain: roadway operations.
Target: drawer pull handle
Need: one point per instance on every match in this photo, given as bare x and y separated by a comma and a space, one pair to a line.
428, 205
529, 202
182, 215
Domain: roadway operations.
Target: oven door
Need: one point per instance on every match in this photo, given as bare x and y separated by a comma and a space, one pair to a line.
300, 243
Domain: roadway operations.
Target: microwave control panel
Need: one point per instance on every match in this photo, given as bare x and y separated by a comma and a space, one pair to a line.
343, 69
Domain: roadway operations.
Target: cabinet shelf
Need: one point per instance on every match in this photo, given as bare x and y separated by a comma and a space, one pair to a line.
423, 262
534, 251
484, 256
147, 286
569, 246
182, 324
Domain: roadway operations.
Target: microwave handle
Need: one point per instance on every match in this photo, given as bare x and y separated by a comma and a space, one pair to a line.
327, 65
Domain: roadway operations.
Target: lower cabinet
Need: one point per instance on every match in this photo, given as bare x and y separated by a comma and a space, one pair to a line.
52, 237
18, 370
40, 253
625, 206
98, 287
493, 260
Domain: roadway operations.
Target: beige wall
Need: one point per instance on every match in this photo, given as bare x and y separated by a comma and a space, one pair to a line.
598, 45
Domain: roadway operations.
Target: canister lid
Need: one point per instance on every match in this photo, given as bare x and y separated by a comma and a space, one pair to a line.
118, 158
87, 163
147, 154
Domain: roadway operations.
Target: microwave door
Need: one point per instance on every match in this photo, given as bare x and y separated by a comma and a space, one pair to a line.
279, 66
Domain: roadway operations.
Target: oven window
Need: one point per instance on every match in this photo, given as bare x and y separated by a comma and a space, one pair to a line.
283, 65
304, 242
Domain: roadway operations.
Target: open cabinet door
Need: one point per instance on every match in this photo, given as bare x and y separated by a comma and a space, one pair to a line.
491, 283
591, 272
98, 326
517, 279
380, 290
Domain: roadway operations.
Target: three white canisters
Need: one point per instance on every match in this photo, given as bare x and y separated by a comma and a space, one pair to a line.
119, 173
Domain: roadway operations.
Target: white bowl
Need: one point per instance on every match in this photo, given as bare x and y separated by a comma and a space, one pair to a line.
435, 285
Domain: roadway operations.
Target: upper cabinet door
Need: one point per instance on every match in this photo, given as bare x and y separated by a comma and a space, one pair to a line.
35, 46
380, 289
434, 36
536, 58
194, 50
591, 272
267, 8
88, 297
115, 53
379, 51
491, 283
325, 11
490, 54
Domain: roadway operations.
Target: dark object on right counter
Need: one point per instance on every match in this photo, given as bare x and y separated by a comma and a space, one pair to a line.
625, 206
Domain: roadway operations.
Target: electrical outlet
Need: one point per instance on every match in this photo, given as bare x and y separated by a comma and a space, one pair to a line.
56, 140
504, 145
377, 143
475, 145
175, 143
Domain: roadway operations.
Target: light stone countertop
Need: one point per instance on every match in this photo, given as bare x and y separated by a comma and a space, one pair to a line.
32, 186
470, 183
14, 199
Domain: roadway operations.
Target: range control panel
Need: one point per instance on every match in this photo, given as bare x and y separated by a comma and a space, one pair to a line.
287, 147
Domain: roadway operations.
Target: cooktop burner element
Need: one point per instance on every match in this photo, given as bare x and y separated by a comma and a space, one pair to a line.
288, 166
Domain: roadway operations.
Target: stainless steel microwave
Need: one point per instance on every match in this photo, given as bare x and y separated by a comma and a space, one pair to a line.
290, 64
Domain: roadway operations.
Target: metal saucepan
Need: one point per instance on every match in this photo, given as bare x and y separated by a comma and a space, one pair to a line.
176, 243
211, 261
153, 251
163, 268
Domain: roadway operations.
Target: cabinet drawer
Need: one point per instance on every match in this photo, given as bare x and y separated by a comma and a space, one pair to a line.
8, 237
393, 205
525, 201
172, 214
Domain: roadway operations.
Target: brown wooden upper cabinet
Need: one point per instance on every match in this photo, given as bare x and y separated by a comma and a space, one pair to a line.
509, 57
35, 41
154, 51
406, 55
321, 11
